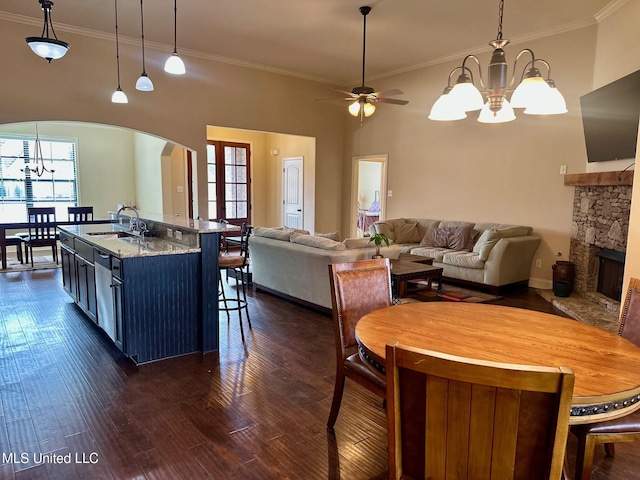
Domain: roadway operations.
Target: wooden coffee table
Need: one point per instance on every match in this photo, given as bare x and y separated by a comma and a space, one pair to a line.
401, 271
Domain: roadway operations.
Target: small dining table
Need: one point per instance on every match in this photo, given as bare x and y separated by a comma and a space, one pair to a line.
606, 366
25, 226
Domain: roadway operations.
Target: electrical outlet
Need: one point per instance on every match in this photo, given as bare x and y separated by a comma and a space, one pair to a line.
390, 193
538, 263
169, 232
178, 235
563, 169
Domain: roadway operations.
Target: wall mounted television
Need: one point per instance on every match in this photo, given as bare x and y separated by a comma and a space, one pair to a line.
610, 117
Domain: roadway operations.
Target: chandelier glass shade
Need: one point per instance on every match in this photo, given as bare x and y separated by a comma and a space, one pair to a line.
535, 94
118, 96
44, 46
174, 63
144, 83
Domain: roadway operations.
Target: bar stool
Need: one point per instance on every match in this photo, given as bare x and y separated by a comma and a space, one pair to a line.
16, 241
239, 265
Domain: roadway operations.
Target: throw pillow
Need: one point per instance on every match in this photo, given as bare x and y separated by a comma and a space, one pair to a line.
455, 238
335, 236
407, 233
486, 242
317, 242
386, 228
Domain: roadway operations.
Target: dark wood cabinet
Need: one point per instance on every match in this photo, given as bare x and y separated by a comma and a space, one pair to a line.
68, 261
86, 281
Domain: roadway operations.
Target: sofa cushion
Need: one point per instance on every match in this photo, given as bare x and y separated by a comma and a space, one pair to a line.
316, 241
463, 259
455, 238
486, 242
275, 233
436, 253
352, 243
335, 236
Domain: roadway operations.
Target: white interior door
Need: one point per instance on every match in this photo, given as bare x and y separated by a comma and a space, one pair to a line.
292, 195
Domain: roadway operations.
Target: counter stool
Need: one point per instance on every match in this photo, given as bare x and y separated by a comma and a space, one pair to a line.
16, 241
239, 264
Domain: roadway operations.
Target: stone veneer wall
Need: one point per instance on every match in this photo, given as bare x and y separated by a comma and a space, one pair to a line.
600, 220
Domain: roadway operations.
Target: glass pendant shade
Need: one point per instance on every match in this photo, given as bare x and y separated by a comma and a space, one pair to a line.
369, 109
144, 83
505, 114
175, 65
119, 96
354, 108
529, 92
48, 48
552, 104
444, 111
466, 97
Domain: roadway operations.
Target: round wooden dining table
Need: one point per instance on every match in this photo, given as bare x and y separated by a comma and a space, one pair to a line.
606, 366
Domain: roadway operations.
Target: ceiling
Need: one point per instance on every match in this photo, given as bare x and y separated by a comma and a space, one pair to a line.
314, 39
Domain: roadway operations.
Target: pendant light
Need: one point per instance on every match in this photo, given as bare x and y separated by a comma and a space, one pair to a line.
144, 83
174, 63
118, 96
43, 46
538, 96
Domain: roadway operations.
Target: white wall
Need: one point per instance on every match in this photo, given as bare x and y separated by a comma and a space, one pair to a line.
148, 168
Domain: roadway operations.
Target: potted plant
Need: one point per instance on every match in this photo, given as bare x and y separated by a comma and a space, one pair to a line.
378, 239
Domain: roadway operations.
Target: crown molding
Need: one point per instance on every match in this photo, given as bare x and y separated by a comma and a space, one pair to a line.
609, 9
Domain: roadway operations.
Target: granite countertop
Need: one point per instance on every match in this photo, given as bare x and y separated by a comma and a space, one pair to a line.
112, 238
199, 226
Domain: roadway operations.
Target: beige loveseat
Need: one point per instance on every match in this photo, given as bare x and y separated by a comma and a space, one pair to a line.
294, 264
488, 254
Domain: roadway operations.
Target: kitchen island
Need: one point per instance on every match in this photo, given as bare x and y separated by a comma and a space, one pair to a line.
156, 295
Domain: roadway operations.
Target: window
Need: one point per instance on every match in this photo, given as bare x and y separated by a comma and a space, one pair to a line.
229, 180
42, 178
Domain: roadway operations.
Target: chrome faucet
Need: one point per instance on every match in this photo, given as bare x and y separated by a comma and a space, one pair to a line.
136, 226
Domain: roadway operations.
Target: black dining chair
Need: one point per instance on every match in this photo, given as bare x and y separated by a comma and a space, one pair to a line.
80, 214
42, 231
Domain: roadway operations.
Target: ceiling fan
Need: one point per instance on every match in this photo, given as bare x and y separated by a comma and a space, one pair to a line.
364, 98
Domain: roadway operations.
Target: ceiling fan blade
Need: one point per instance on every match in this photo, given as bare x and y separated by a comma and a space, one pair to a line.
393, 101
351, 94
332, 98
388, 93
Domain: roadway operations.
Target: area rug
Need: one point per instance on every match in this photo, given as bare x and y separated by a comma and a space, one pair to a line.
450, 293
39, 263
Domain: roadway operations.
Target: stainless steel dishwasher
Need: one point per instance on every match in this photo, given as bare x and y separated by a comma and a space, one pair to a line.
106, 312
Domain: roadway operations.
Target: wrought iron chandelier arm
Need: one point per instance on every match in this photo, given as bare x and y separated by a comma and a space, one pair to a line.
531, 63
467, 69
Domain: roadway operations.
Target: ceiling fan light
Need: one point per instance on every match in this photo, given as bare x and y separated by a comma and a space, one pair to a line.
175, 65
369, 109
466, 97
144, 83
354, 108
444, 111
505, 114
119, 96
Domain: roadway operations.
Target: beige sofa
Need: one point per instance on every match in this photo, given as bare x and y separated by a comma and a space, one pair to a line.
294, 264
491, 254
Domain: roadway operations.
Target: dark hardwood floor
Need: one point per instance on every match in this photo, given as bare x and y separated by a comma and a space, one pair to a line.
257, 412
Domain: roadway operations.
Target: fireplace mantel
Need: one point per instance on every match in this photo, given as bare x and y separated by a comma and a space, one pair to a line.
599, 179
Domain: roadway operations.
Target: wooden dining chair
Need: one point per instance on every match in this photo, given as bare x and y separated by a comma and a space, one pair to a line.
80, 214
627, 428
42, 231
455, 417
357, 288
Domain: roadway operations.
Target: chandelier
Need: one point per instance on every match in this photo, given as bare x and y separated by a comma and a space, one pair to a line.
37, 166
43, 46
538, 96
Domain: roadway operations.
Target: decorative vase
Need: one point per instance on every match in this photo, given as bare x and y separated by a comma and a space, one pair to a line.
563, 277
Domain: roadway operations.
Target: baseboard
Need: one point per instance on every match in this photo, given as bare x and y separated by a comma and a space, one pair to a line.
540, 283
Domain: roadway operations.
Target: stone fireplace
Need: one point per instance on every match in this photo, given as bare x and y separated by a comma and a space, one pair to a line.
599, 229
